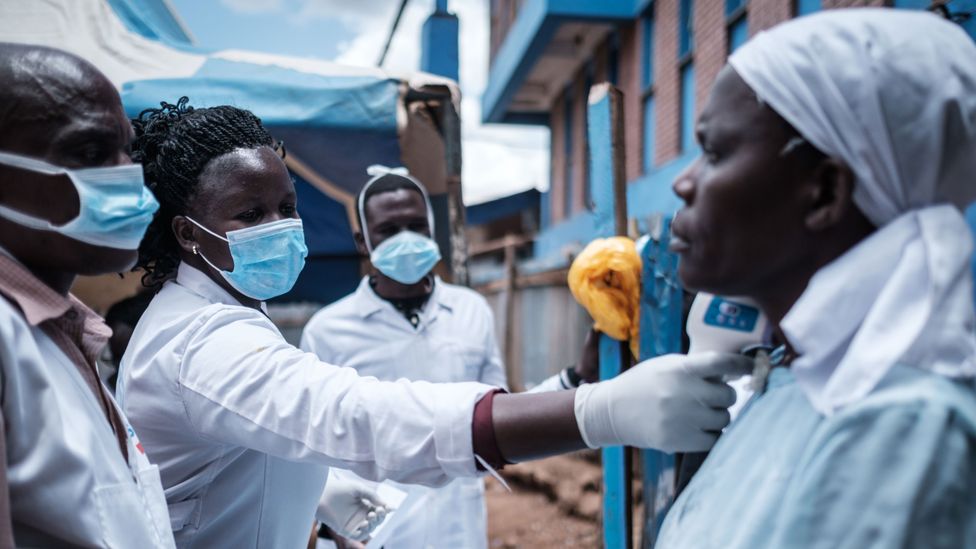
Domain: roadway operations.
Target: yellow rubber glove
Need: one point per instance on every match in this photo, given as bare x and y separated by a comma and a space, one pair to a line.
605, 278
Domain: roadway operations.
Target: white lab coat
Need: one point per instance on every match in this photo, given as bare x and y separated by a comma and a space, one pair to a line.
454, 341
68, 481
241, 423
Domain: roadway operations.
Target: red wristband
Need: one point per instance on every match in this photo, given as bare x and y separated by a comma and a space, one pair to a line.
483, 433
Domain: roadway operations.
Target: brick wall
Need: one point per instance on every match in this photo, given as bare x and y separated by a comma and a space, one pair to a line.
711, 47
710, 51
667, 132
629, 82
557, 167
580, 95
763, 14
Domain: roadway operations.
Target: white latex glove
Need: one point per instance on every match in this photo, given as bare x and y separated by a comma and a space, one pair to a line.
351, 508
674, 403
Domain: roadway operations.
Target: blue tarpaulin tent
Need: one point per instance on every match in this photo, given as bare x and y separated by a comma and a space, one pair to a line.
335, 120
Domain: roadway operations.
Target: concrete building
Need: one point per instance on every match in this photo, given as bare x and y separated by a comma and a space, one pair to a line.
664, 55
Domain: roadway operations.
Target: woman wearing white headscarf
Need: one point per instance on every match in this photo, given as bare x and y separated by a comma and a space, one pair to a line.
838, 151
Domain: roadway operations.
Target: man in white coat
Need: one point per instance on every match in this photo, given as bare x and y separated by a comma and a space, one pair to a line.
405, 322
71, 202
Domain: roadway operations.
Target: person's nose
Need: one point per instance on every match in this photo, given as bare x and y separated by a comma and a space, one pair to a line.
684, 185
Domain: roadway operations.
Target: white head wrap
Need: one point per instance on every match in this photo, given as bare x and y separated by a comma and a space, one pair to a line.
893, 94
377, 172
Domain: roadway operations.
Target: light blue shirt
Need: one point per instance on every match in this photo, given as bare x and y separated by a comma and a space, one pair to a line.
896, 469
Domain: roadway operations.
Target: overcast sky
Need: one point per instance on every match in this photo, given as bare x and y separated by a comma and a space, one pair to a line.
498, 159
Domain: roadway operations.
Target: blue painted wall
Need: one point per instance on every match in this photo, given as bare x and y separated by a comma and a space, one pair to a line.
806, 7
687, 107
647, 86
439, 43
912, 4
648, 141
732, 5
954, 6
738, 33
647, 51
570, 167
648, 195
686, 39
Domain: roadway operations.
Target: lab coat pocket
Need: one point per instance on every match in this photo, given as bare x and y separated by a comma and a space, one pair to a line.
184, 513
449, 362
152, 491
471, 360
124, 517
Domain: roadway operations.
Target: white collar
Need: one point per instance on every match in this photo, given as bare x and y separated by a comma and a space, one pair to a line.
368, 302
198, 282
902, 295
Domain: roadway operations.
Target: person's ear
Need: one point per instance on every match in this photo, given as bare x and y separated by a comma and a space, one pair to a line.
185, 234
360, 244
830, 194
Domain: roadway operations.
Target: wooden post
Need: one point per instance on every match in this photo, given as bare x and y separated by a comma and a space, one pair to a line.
605, 133
513, 373
607, 155
455, 205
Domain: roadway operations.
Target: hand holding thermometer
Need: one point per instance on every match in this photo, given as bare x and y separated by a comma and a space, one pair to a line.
727, 324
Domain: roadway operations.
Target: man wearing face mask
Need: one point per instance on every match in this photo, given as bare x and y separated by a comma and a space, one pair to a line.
71, 202
405, 322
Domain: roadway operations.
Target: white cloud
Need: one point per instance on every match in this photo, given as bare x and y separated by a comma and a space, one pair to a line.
498, 160
372, 28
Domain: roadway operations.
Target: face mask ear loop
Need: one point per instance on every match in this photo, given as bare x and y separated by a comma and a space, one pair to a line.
197, 252
28, 163
207, 261
191, 220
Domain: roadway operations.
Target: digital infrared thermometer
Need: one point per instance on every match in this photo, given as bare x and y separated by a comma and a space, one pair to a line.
728, 325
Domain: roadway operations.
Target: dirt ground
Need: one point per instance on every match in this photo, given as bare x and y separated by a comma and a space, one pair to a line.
553, 503
528, 519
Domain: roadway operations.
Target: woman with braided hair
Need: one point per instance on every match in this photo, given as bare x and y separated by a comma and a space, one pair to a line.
177, 159
243, 425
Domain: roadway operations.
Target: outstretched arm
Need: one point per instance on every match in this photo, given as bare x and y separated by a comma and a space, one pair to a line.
671, 403
534, 425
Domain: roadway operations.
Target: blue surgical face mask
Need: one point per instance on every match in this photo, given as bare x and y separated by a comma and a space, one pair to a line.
115, 205
406, 257
267, 258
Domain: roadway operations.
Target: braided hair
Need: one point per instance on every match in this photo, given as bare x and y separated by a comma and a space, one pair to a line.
174, 144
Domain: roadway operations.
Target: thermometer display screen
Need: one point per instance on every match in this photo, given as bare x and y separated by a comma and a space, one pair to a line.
723, 313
